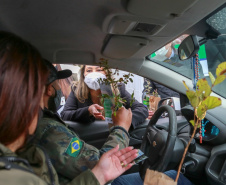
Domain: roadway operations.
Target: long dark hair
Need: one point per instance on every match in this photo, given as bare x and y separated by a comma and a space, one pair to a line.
22, 78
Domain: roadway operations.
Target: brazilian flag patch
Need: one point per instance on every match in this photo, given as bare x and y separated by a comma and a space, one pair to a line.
74, 147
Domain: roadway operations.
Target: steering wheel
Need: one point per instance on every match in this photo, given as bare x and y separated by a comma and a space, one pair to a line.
158, 144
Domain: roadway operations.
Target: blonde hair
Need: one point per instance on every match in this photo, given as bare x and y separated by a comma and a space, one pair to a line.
81, 90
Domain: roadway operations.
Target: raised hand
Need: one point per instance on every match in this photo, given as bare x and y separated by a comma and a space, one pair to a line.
93, 110
113, 163
150, 114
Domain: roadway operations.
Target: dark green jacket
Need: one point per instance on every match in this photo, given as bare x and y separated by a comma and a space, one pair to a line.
69, 154
39, 170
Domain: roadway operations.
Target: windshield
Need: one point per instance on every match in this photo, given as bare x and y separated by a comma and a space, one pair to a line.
210, 55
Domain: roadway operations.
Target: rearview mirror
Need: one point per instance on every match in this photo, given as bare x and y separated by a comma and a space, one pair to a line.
188, 47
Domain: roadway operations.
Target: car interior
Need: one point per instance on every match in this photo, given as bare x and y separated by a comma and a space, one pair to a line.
130, 34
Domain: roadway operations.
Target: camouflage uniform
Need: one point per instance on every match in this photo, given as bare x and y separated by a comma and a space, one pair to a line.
69, 154
18, 172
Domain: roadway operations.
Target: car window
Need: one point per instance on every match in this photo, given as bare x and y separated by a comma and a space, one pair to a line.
216, 49
136, 86
140, 86
211, 54
167, 56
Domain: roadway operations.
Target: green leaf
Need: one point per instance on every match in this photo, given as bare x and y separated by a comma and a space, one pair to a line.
193, 98
211, 102
120, 79
116, 100
201, 111
212, 78
203, 87
132, 99
221, 69
219, 79
114, 113
192, 122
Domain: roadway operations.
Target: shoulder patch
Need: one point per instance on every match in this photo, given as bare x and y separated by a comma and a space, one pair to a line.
74, 147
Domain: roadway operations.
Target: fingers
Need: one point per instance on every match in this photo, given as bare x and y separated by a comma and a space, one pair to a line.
98, 115
129, 161
128, 157
121, 109
150, 114
128, 166
98, 107
123, 151
94, 111
130, 112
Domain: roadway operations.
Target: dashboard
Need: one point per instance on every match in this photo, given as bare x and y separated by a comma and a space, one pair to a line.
213, 129
207, 131
211, 153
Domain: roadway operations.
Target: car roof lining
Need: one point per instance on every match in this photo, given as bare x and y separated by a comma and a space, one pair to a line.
74, 32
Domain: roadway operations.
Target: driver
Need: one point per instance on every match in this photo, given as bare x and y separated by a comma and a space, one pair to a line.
69, 154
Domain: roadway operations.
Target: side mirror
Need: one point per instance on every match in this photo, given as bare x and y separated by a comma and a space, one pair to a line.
188, 47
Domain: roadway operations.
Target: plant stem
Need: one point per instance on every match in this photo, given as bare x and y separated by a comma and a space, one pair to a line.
186, 149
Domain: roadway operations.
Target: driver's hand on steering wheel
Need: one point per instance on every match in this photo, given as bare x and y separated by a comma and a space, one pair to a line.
150, 114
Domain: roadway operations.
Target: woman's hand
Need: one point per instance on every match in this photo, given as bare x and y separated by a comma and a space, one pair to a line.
93, 110
150, 114
123, 118
113, 163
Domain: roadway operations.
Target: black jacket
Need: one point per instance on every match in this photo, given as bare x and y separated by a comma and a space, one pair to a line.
77, 111
162, 90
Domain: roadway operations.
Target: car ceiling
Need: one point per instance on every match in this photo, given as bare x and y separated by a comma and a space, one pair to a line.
81, 32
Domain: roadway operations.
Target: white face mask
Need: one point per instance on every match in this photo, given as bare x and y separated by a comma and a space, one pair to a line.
161, 54
91, 80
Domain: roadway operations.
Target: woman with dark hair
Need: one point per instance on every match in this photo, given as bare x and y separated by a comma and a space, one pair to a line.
83, 103
23, 75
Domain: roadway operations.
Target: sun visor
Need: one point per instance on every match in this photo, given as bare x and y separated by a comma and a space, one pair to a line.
68, 56
120, 47
159, 9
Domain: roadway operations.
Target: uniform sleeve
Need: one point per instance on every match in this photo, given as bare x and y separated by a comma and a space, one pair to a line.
70, 155
118, 136
139, 111
72, 112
